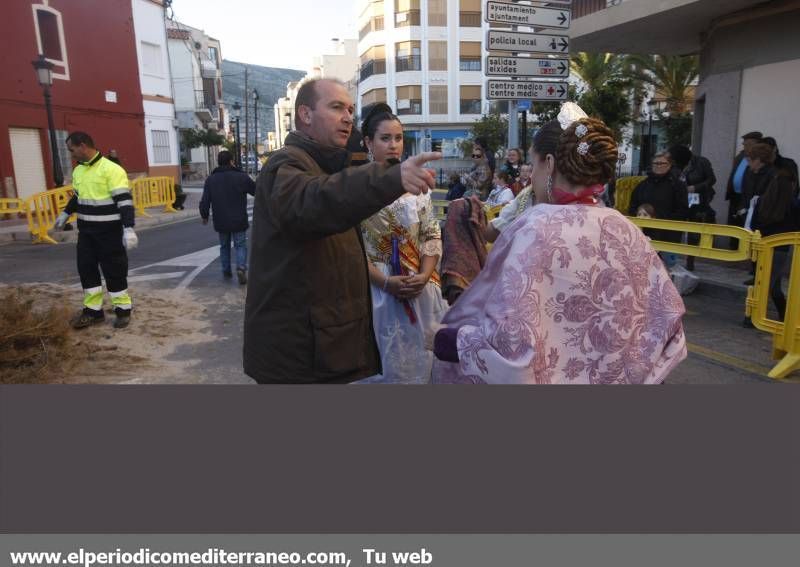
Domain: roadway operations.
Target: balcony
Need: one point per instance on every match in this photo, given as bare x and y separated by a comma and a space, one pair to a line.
375, 67
410, 18
408, 63
469, 19
469, 64
374, 24
668, 27
205, 106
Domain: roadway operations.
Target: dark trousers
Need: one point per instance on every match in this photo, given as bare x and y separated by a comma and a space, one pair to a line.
734, 204
779, 259
103, 250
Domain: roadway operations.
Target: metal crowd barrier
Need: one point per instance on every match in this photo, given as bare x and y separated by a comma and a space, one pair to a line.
623, 191
153, 192
12, 206
42, 210
785, 334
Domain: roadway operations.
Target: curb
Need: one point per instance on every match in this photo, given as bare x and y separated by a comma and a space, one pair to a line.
143, 223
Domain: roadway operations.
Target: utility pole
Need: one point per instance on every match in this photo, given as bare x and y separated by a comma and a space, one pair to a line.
513, 116
255, 127
524, 135
246, 125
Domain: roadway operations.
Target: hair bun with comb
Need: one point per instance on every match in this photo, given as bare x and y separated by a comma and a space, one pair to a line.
587, 152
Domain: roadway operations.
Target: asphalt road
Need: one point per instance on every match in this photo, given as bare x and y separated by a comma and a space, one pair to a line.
184, 255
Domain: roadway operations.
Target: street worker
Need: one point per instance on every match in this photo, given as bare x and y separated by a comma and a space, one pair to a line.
225, 194
104, 205
308, 314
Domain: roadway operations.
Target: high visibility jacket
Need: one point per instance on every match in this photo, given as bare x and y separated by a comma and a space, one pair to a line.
102, 196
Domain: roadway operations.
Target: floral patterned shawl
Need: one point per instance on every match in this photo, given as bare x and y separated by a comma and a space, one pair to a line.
570, 294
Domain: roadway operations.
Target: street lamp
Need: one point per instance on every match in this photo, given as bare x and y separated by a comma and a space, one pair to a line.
237, 108
255, 127
44, 74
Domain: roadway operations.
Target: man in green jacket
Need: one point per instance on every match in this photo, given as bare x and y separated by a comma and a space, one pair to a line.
308, 315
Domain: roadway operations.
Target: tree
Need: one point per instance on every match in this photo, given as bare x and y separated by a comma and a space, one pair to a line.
608, 88
677, 127
197, 137
493, 128
599, 69
669, 75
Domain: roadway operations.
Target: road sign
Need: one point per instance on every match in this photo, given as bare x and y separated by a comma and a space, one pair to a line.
498, 40
536, 91
501, 66
523, 105
521, 15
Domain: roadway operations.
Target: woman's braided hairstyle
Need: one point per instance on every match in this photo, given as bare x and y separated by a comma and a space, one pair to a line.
590, 158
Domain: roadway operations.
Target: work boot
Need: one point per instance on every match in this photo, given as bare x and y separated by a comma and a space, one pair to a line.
690, 263
241, 275
123, 318
86, 318
748, 324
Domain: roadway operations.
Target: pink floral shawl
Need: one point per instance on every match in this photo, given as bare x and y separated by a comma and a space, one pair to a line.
570, 294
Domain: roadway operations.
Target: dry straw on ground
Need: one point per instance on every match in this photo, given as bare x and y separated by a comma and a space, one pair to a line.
37, 345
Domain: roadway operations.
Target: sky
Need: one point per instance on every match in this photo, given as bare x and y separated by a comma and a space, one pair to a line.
273, 33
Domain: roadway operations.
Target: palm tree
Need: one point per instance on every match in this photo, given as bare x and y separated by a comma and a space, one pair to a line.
599, 69
669, 75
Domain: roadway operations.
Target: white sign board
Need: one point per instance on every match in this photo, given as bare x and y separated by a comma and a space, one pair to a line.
500, 66
522, 15
536, 91
497, 40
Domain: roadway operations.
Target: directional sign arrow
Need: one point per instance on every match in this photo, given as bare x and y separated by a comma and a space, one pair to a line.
562, 18
561, 90
524, 42
562, 67
564, 44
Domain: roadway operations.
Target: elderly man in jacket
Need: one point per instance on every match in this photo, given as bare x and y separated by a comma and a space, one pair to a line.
225, 194
308, 315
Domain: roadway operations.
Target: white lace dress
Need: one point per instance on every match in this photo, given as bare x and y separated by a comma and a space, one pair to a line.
400, 327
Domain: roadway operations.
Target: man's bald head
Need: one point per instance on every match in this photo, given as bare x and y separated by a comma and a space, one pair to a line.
324, 110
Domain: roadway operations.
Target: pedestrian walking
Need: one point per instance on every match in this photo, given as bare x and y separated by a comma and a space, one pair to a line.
104, 205
735, 188
308, 315
225, 195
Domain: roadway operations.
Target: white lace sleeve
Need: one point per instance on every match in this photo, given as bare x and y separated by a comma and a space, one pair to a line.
507, 215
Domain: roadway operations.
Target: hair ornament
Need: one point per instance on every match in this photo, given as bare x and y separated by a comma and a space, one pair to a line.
581, 130
583, 148
570, 113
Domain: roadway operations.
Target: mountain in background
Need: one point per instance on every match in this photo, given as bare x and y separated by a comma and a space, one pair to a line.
270, 82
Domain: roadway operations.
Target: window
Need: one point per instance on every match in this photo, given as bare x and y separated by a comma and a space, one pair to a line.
469, 58
469, 15
374, 19
50, 39
437, 55
470, 99
213, 55
408, 56
151, 59
161, 153
406, 13
437, 99
409, 100
370, 98
437, 12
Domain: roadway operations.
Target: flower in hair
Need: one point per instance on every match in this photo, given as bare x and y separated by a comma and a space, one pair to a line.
570, 113
581, 130
583, 148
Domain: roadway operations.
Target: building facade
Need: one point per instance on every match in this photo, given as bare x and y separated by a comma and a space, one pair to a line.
95, 89
749, 64
424, 58
195, 60
161, 133
341, 63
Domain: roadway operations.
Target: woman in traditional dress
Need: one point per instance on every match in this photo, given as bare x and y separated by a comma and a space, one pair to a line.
572, 291
403, 244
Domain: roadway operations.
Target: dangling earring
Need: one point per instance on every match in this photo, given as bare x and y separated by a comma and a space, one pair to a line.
370, 157
549, 188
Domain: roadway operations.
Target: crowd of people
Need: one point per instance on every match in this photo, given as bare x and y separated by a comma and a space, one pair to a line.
354, 280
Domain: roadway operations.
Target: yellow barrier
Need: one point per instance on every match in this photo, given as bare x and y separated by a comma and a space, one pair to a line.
624, 190
440, 208
42, 210
153, 192
705, 248
12, 206
786, 334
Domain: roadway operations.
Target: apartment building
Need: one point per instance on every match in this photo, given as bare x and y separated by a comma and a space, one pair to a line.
195, 60
749, 64
424, 58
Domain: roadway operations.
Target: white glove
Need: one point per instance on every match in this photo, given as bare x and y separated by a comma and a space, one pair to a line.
61, 221
129, 238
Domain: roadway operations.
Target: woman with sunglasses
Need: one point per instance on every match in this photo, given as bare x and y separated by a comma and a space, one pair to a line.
479, 179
